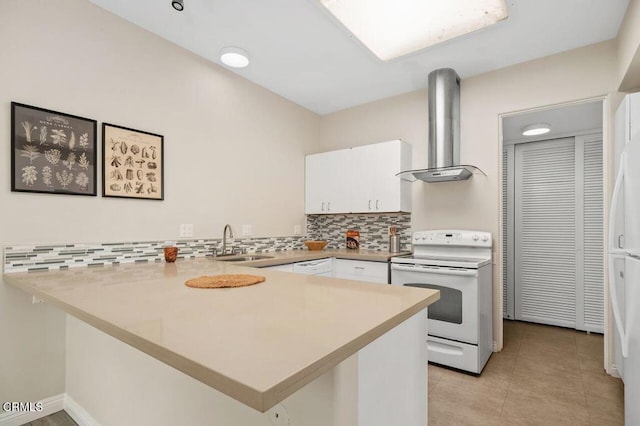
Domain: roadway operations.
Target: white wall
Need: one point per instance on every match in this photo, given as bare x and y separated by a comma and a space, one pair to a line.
573, 75
233, 154
629, 49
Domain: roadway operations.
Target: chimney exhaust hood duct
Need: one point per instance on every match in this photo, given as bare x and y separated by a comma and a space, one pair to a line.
444, 131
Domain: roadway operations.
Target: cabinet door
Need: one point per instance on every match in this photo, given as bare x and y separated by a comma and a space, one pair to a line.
364, 172
386, 190
327, 178
375, 272
376, 186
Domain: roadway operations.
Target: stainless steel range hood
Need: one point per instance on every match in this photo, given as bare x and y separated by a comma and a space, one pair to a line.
444, 131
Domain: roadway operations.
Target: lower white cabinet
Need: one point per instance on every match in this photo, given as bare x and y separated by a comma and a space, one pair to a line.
361, 270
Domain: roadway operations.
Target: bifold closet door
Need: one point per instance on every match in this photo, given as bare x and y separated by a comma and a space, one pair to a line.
545, 232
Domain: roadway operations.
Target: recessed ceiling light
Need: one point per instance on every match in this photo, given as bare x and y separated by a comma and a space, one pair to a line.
178, 5
394, 28
536, 129
234, 57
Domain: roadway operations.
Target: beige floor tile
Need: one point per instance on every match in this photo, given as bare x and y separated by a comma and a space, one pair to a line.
552, 386
493, 382
499, 367
435, 374
602, 385
605, 411
548, 364
513, 329
464, 405
591, 362
534, 410
592, 344
558, 341
511, 345
549, 354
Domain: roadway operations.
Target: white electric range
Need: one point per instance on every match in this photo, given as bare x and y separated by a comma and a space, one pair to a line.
458, 263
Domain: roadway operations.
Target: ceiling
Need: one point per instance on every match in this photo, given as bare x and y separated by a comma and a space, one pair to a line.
564, 120
299, 51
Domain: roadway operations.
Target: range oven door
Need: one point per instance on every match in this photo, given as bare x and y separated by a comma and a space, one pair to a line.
455, 315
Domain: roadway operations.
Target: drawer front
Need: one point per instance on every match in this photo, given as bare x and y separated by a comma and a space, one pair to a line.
362, 270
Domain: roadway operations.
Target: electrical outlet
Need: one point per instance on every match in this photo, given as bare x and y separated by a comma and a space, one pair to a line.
278, 416
35, 300
297, 229
246, 230
186, 230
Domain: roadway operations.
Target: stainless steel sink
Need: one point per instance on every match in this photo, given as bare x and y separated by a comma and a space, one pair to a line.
243, 258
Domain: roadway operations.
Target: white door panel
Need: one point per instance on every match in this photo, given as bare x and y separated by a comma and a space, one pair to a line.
632, 328
632, 196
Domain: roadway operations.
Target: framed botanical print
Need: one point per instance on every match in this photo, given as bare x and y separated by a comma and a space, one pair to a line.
52, 152
132, 163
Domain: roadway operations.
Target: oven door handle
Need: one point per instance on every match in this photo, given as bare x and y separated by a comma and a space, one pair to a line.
444, 271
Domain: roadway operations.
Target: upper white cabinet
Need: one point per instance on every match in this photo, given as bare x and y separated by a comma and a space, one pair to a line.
359, 180
325, 177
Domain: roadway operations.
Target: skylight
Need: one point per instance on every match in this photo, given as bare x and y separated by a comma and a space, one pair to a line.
393, 28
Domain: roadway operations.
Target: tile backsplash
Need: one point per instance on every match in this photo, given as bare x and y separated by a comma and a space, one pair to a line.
37, 257
374, 229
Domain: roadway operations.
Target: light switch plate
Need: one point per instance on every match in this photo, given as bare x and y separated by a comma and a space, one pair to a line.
186, 230
297, 229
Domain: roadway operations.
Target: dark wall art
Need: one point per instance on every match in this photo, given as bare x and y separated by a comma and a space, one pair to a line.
133, 165
52, 152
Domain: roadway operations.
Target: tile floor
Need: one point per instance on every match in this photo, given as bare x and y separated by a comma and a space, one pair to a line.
543, 376
61, 418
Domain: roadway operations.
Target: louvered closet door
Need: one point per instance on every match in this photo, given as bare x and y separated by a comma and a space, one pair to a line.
593, 276
545, 227
507, 232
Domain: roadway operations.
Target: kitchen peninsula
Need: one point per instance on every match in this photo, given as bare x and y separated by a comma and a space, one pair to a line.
300, 349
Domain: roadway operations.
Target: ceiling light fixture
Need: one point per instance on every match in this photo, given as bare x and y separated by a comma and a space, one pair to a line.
234, 57
178, 5
536, 129
395, 28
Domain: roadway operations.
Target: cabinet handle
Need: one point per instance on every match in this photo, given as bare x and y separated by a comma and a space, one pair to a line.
322, 206
359, 267
377, 204
369, 204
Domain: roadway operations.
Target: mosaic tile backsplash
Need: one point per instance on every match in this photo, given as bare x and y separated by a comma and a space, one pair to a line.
62, 256
374, 229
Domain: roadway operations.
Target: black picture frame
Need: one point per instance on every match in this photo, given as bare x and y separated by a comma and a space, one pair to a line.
52, 152
132, 163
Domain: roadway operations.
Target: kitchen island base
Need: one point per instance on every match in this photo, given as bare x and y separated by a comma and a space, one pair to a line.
384, 383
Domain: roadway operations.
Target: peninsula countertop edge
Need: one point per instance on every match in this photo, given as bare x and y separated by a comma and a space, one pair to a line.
301, 326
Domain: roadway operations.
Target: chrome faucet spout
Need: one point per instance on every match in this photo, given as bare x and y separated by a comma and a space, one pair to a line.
224, 237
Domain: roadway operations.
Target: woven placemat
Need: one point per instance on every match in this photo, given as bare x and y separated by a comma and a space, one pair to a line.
223, 281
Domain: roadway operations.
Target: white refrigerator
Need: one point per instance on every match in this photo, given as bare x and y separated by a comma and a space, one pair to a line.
624, 274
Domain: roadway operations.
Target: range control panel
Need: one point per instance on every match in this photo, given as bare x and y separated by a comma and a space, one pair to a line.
452, 238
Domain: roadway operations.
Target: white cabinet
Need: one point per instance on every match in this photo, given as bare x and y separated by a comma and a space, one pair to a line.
377, 272
326, 175
359, 180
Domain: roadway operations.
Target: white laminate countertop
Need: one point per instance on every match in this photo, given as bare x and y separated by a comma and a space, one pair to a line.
257, 344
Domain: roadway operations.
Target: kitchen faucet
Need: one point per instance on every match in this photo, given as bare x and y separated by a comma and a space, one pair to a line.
224, 237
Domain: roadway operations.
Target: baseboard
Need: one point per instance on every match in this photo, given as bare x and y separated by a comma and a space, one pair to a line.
49, 406
78, 413
613, 371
